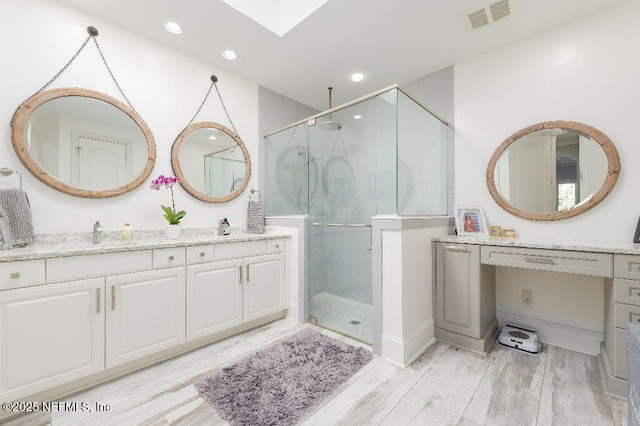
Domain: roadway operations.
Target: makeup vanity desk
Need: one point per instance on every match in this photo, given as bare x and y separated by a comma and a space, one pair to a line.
465, 302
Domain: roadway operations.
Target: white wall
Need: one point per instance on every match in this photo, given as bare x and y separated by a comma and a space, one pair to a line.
586, 71
164, 86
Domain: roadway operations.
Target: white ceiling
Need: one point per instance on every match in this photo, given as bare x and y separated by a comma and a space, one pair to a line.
390, 41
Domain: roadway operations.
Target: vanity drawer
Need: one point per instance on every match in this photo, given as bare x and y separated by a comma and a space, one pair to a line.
200, 254
625, 314
242, 249
626, 291
275, 246
168, 257
22, 273
575, 262
626, 266
97, 265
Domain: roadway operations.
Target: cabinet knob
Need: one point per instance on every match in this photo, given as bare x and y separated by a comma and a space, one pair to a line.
171, 257
15, 275
201, 254
277, 245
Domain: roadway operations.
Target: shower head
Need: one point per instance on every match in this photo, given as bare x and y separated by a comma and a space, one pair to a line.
330, 124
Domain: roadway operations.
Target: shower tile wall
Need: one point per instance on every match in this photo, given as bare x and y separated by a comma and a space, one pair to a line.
339, 248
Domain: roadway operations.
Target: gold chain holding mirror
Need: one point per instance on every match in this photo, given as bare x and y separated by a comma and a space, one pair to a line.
211, 161
63, 138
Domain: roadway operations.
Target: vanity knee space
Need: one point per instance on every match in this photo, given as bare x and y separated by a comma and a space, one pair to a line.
465, 302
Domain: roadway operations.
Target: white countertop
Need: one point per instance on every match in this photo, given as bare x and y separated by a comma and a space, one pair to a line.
78, 244
618, 247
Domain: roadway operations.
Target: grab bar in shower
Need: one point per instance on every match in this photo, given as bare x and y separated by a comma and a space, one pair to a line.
346, 225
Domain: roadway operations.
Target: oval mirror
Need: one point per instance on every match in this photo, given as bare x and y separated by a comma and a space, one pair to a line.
211, 161
553, 170
83, 143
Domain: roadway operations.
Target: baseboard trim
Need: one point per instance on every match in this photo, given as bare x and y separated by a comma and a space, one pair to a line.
292, 311
480, 346
613, 385
556, 334
402, 352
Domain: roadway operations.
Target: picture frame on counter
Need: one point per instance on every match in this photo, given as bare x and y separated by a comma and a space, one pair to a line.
636, 237
509, 233
470, 220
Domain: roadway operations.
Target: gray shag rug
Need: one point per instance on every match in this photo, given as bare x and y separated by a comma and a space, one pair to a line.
279, 385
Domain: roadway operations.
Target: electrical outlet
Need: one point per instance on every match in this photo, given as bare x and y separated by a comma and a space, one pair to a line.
527, 297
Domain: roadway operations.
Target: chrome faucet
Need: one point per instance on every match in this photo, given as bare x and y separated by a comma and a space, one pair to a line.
97, 233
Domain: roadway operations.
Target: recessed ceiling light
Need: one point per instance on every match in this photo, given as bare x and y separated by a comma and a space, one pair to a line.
173, 27
213, 138
357, 77
229, 54
357, 117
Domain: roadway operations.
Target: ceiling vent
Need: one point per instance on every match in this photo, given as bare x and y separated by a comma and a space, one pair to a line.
489, 14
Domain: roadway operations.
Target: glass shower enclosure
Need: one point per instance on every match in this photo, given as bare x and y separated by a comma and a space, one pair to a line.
384, 154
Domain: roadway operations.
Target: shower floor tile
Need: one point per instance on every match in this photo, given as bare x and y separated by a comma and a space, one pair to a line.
344, 316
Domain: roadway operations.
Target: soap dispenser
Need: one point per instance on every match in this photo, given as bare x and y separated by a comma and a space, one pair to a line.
127, 233
223, 227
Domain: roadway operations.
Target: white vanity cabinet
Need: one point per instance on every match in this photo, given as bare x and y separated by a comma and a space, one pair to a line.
69, 321
145, 314
465, 297
263, 288
50, 335
234, 290
214, 297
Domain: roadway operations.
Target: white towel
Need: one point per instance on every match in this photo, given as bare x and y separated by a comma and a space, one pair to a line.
15, 204
255, 218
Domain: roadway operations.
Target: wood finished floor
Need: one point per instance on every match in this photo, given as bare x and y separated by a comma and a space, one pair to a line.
445, 386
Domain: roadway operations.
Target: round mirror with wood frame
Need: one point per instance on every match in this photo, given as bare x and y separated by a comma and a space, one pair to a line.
211, 161
527, 174
83, 143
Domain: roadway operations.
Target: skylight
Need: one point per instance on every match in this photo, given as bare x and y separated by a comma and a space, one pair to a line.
278, 16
